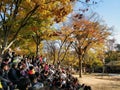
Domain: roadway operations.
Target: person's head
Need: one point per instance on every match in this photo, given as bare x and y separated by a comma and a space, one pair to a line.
63, 71
13, 53
24, 83
33, 78
86, 88
31, 67
6, 59
20, 66
31, 70
89, 88
75, 80
36, 65
4, 66
9, 50
37, 74
14, 65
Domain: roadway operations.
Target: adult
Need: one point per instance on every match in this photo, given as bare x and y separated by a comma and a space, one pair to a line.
24, 84
4, 77
13, 73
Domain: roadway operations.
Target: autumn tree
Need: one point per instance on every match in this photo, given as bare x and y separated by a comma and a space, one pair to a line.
93, 59
15, 15
84, 35
52, 50
87, 34
40, 32
112, 56
57, 46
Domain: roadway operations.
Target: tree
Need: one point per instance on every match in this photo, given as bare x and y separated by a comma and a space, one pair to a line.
52, 50
39, 34
93, 59
15, 15
112, 56
85, 34
59, 46
88, 34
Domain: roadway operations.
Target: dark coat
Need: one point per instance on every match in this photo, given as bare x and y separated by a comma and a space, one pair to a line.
13, 75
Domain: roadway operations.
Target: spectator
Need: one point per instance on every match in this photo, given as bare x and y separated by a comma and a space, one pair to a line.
13, 73
31, 70
35, 84
24, 84
4, 77
41, 59
33, 74
8, 54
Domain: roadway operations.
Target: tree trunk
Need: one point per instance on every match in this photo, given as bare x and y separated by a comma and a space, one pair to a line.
1, 52
4, 45
80, 66
37, 49
54, 59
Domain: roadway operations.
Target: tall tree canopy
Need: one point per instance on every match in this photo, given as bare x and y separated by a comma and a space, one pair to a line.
16, 14
85, 34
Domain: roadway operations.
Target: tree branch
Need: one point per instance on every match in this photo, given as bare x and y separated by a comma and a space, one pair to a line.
66, 51
24, 22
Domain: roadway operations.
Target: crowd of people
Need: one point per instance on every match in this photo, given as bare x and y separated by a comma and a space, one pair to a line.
34, 73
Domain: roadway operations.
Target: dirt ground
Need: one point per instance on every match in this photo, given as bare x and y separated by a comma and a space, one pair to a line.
98, 82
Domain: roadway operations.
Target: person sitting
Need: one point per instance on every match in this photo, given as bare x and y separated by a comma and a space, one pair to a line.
31, 70
24, 84
4, 77
35, 84
13, 74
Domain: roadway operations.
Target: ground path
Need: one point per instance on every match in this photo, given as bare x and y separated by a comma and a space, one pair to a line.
98, 82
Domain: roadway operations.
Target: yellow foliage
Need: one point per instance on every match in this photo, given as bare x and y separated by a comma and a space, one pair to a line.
35, 13
28, 1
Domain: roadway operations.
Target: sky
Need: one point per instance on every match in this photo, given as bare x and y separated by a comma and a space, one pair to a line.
109, 10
